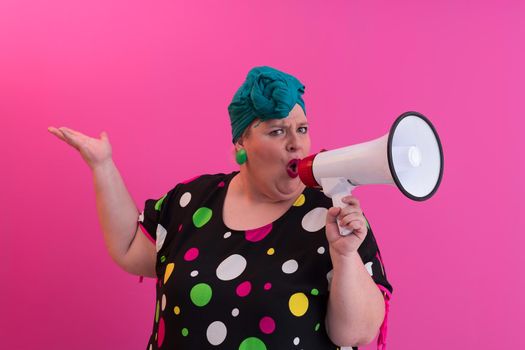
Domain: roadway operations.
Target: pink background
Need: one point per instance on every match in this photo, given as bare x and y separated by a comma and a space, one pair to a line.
158, 76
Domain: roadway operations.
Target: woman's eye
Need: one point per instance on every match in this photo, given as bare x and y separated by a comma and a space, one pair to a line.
303, 129
276, 132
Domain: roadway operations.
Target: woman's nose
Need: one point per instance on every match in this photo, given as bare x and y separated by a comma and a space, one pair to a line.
293, 143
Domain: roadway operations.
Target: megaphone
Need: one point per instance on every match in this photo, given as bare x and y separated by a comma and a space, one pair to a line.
409, 156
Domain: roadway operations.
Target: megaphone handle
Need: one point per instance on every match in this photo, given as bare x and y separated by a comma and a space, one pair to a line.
337, 188
337, 200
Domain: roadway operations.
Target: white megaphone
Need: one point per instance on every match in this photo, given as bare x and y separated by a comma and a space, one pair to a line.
409, 156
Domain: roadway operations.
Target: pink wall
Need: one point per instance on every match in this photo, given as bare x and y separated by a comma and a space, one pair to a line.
158, 76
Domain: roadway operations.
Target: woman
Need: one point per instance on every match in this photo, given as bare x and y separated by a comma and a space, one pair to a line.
250, 259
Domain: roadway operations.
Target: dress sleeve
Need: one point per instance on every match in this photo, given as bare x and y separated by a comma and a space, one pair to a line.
369, 252
159, 213
156, 217
149, 219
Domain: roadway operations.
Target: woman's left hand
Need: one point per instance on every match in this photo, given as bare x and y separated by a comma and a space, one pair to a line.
350, 217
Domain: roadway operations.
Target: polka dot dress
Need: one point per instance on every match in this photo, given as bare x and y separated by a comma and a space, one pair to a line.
259, 289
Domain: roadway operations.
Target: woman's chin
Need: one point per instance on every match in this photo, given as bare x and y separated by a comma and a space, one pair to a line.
290, 187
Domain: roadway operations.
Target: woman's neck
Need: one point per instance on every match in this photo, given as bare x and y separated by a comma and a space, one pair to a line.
249, 190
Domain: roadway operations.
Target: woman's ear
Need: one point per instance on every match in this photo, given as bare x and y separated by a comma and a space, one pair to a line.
239, 143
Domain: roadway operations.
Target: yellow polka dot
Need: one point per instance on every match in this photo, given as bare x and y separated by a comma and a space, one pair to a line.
176, 310
299, 201
169, 270
270, 251
298, 304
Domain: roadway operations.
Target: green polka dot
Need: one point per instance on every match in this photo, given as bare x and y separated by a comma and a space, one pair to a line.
252, 343
200, 294
314, 292
367, 224
157, 312
317, 327
158, 205
201, 217
185, 332
162, 259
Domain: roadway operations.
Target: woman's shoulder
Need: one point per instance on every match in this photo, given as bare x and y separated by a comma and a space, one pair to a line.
217, 179
202, 183
194, 188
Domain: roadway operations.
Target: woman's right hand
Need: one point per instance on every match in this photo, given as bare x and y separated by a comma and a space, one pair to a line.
94, 151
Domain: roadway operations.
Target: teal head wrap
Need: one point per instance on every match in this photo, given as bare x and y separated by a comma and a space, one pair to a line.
265, 94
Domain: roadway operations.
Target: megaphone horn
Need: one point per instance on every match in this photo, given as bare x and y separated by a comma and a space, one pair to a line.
410, 156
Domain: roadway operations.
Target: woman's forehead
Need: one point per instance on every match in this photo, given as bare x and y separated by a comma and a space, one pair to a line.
291, 119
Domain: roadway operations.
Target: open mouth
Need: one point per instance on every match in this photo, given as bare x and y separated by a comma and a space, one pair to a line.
292, 168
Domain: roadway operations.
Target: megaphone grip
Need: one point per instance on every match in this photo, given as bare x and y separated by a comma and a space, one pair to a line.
337, 201
337, 188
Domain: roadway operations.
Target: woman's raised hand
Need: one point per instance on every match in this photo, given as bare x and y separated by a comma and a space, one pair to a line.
94, 151
117, 211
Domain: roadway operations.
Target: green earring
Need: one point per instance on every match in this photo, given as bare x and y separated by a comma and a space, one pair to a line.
240, 156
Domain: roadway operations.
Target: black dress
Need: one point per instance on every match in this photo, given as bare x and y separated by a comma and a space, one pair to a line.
219, 288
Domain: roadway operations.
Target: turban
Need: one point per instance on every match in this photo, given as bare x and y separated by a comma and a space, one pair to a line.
265, 94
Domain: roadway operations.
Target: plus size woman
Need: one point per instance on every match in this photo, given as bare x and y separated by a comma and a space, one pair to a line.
249, 259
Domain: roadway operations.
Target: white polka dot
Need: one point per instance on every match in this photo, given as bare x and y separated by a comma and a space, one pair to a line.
141, 217
185, 199
290, 266
216, 333
315, 219
321, 250
235, 312
368, 266
296, 341
150, 347
227, 234
161, 236
194, 273
231, 267
163, 301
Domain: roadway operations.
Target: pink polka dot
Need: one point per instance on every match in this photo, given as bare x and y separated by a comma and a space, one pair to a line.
258, 233
180, 227
162, 330
221, 184
267, 286
267, 325
244, 289
191, 254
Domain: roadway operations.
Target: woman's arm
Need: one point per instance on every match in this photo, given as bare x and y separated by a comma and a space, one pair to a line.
117, 212
118, 215
356, 307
